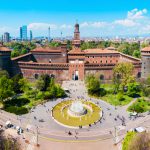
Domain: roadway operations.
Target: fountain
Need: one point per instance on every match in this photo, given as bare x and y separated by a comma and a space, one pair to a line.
77, 109
76, 113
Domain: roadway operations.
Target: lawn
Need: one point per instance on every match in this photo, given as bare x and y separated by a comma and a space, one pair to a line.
114, 99
127, 140
140, 106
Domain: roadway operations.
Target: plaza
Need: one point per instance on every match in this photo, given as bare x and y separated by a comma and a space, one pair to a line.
102, 131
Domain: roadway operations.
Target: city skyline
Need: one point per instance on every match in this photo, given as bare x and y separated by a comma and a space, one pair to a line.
113, 18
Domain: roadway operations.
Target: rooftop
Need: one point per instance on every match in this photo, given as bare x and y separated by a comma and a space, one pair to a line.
47, 49
146, 49
3, 48
101, 51
76, 51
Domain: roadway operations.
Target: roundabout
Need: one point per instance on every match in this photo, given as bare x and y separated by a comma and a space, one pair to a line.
76, 113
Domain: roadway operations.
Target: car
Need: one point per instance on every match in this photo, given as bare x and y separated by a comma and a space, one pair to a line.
140, 129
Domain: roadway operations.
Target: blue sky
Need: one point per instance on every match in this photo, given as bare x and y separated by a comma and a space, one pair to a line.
96, 18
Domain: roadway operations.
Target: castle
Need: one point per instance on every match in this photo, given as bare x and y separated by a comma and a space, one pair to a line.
67, 65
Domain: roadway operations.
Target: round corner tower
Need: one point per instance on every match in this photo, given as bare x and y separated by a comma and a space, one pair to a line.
5, 60
145, 52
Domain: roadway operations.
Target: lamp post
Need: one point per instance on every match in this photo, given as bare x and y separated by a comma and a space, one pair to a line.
37, 136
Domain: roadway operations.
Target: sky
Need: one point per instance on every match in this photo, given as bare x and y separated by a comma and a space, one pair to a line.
97, 18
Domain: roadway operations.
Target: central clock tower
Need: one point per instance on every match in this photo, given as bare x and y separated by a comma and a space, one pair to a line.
76, 41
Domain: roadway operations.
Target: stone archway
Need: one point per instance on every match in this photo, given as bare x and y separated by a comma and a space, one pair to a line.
75, 75
139, 75
102, 77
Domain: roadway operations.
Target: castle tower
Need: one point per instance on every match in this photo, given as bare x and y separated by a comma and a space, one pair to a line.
5, 59
145, 52
76, 41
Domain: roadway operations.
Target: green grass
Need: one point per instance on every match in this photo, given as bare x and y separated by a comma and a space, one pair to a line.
140, 106
128, 140
64, 118
108, 87
113, 99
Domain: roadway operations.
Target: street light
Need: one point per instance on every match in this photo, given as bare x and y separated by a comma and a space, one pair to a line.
37, 137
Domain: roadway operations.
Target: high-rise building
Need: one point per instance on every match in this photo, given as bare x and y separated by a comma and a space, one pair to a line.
31, 35
23, 33
6, 37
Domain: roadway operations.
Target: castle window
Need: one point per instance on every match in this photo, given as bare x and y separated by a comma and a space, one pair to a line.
36, 76
110, 61
101, 61
101, 77
93, 56
106, 61
52, 76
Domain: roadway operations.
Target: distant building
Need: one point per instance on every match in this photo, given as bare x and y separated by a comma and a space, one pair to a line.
31, 35
23, 33
6, 37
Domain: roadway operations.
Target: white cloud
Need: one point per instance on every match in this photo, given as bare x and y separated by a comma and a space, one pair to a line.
136, 14
97, 24
133, 19
64, 26
126, 22
41, 26
84, 24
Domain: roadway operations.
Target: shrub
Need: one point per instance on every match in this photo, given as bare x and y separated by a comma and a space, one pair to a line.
40, 95
103, 92
47, 95
120, 97
17, 110
16, 102
140, 106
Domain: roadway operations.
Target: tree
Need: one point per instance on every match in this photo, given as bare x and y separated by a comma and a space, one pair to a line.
43, 82
133, 89
16, 85
93, 85
4, 73
8, 143
54, 44
24, 85
122, 74
137, 53
140, 142
6, 88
